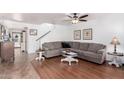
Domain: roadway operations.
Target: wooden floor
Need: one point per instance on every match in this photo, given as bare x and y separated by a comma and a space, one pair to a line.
53, 69
25, 67
20, 69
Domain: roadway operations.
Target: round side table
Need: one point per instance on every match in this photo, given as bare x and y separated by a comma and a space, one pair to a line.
40, 56
116, 60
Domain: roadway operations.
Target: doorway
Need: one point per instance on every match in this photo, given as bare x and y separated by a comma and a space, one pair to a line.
16, 38
19, 38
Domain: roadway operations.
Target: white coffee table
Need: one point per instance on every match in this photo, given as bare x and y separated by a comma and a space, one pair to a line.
69, 57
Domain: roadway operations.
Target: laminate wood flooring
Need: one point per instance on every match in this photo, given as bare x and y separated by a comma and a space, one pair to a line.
20, 69
25, 67
53, 69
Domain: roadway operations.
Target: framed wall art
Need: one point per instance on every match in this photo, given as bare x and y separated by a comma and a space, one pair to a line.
87, 34
33, 32
77, 34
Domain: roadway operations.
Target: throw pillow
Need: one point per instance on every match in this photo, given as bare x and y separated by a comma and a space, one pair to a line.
65, 45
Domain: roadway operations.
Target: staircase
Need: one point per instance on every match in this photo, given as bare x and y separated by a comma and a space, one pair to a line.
39, 39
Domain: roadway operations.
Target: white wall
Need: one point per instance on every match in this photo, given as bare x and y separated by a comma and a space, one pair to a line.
58, 33
104, 29
20, 26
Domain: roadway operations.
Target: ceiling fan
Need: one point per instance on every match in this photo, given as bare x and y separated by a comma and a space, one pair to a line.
75, 18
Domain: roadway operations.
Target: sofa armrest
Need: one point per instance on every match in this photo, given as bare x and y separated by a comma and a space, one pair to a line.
101, 51
45, 48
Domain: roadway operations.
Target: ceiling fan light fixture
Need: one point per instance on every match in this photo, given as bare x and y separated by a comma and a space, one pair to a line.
75, 18
75, 21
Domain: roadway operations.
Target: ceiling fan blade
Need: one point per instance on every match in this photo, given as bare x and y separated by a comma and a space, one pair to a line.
82, 20
83, 16
69, 16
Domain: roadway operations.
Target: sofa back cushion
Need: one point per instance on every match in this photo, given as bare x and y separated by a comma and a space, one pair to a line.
57, 45
94, 47
48, 45
75, 45
52, 45
84, 46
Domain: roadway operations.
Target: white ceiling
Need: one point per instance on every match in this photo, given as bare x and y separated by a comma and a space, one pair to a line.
39, 18
36, 18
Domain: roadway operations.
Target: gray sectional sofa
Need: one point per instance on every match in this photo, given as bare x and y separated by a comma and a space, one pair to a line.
93, 52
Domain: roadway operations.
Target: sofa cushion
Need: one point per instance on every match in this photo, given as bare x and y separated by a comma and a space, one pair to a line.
57, 45
94, 47
48, 45
91, 54
84, 46
75, 45
52, 45
52, 53
75, 50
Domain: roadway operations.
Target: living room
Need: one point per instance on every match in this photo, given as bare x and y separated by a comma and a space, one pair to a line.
61, 46
41, 34
101, 23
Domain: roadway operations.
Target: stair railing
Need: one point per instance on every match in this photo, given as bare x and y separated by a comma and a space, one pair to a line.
39, 39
